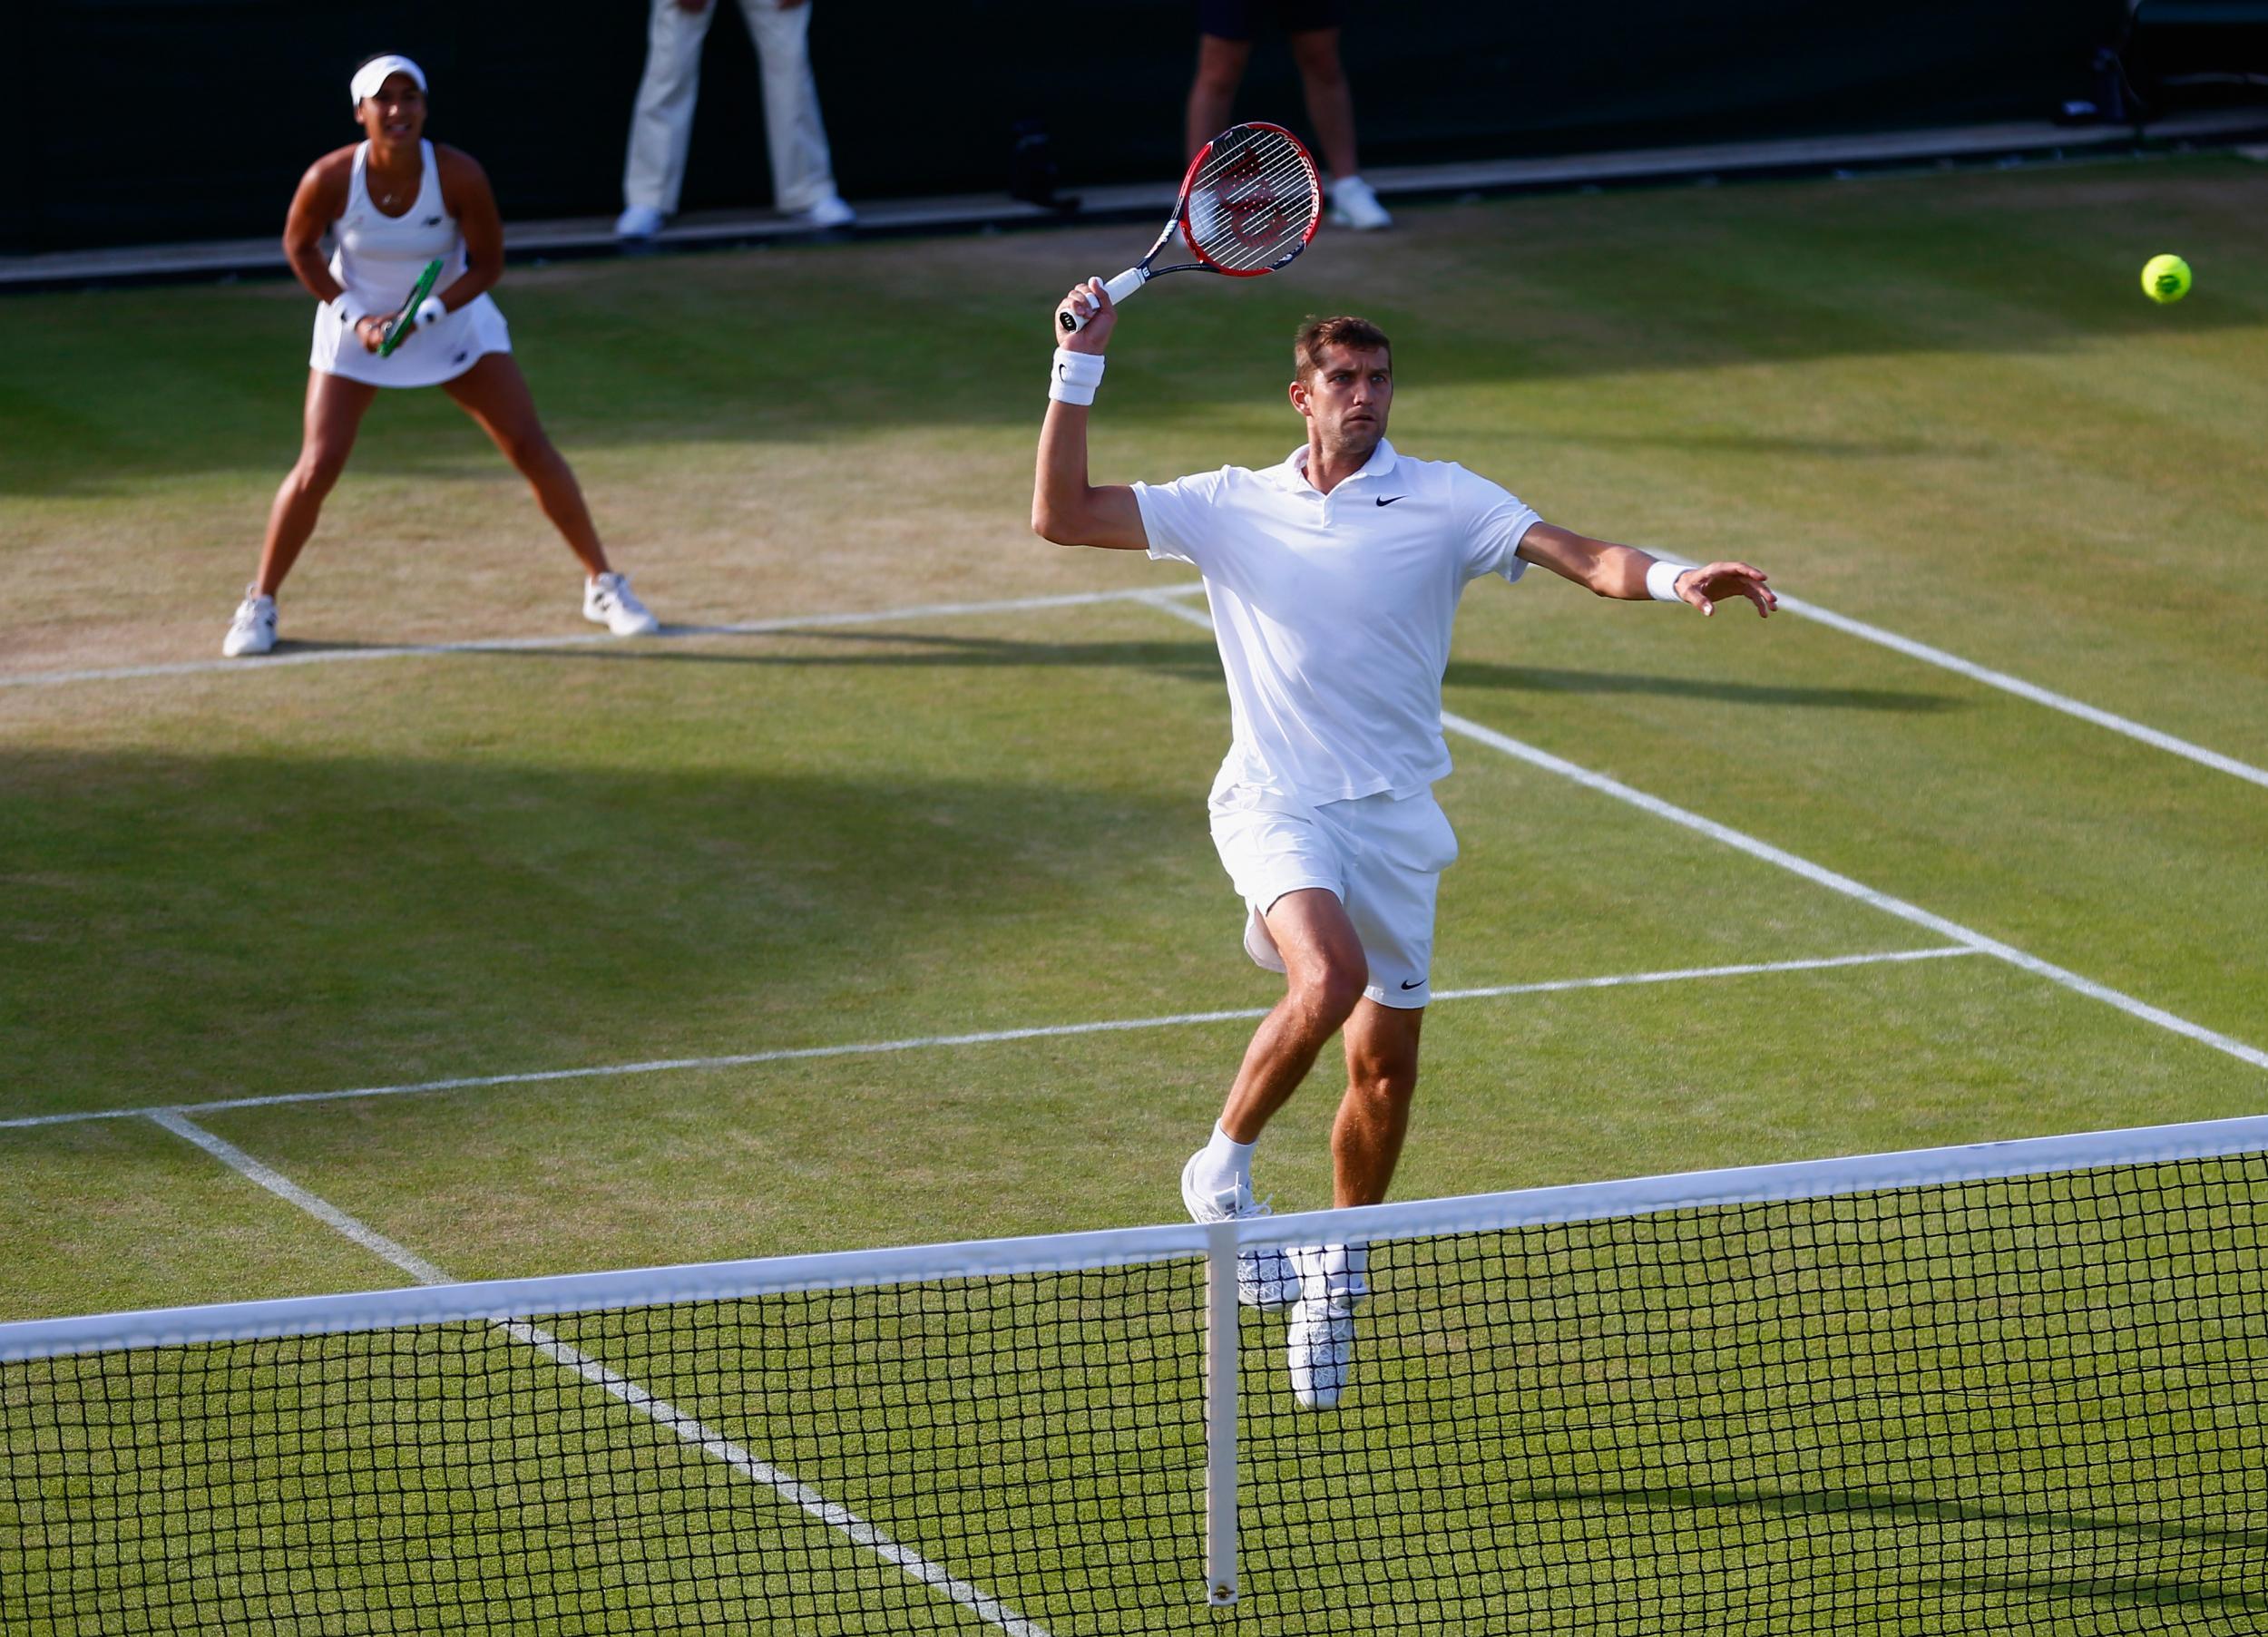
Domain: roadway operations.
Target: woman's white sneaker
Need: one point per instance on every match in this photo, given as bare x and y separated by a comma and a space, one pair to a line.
253, 630
608, 600
1355, 205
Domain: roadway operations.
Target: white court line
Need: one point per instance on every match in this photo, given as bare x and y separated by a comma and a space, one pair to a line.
509, 645
2027, 690
283, 1187
1821, 876
1047, 1031
710, 1443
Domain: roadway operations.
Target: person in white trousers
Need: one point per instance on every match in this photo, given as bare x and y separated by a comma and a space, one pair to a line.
803, 175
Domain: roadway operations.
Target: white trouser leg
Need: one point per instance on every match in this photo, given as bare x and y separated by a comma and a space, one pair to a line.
662, 126
802, 171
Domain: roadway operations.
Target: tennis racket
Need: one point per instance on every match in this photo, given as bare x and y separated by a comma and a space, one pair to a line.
405, 320
1249, 204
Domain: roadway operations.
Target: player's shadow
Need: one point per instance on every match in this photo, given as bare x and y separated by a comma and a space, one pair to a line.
1535, 679
1891, 1509
1195, 658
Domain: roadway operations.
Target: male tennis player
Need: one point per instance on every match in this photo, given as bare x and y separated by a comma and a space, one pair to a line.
1334, 580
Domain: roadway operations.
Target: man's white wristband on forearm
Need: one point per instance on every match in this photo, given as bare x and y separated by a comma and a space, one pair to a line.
1073, 376
431, 311
1661, 579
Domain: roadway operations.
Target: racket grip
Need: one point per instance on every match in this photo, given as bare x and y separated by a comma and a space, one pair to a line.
1117, 289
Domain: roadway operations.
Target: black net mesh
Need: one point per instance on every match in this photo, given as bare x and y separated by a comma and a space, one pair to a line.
2029, 1405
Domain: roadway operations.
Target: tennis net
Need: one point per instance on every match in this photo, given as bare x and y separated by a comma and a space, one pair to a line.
2012, 1388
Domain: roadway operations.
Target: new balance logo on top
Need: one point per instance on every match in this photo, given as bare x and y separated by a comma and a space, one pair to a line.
1390, 499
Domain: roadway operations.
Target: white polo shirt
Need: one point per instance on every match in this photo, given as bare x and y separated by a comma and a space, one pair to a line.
1333, 612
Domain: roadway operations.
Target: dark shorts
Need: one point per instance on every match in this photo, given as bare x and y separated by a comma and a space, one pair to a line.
1240, 19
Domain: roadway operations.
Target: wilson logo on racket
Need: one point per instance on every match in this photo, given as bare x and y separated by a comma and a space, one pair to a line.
1250, 202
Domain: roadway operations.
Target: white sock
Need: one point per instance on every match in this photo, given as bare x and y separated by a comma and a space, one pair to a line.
1227, 1163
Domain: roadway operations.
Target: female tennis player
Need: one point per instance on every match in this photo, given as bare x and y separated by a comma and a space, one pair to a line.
397, 203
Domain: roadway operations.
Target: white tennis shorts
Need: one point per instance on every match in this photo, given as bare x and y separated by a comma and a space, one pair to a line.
1381, 857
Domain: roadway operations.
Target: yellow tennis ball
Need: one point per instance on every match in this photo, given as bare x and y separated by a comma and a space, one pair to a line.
2165, 278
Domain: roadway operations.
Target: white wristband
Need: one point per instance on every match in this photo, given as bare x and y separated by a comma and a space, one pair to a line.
431, 311
1661, 579
1073, 376
350, 311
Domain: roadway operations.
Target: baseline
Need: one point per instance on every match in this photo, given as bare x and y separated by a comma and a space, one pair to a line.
662, 1413
1045, 1031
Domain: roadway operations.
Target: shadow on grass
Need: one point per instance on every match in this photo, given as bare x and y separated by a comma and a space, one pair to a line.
196, 926
1197, 660
1892, 1507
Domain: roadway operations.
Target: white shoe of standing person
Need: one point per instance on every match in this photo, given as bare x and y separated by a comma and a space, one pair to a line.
1354, 204
829, 212
638, 221
1265, 1279
253, 630
1319, 1343
608, 600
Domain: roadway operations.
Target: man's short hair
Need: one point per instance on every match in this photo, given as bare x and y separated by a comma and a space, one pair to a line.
1343, 329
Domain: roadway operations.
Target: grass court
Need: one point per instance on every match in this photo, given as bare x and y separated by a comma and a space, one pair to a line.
934, 797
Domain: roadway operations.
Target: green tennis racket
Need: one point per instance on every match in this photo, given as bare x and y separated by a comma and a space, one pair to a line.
405, 320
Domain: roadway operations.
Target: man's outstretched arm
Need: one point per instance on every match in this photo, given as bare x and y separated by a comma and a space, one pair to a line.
1065, 507
1621, 572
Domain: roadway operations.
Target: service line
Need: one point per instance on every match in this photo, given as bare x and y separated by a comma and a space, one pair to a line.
1043, 1031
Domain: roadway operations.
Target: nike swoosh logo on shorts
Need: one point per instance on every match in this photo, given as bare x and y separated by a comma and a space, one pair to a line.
1398, 497
1413, 983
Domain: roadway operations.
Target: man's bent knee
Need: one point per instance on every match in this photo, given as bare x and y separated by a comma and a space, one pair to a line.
1330, 993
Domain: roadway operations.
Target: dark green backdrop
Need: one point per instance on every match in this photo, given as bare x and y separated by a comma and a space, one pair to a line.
157, 119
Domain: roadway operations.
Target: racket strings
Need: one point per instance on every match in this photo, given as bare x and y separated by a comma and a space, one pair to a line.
1254, 200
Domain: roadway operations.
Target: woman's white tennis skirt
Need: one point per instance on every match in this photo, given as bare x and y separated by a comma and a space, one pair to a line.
439, 353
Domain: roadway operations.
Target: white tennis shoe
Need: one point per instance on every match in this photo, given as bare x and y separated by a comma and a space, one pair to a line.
253, 630
829, 212
1320, 1338
638, 222
608, 600
1355, 205
1265, 1279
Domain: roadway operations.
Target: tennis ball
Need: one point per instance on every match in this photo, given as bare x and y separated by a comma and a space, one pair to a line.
2165, 278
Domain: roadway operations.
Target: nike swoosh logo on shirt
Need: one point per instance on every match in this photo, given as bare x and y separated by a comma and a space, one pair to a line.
1390, 501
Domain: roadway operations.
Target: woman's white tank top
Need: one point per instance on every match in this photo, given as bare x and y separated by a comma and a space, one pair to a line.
379, 255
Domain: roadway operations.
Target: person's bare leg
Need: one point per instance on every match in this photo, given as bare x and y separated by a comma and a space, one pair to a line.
1330, 103
333, 415
495, 393
1324, 971
1382, 1064
1220, 68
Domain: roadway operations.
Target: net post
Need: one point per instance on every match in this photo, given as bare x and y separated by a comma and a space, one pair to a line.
1220, 1414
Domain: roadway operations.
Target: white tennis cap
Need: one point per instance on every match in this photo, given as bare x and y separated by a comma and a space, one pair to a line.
373, 74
